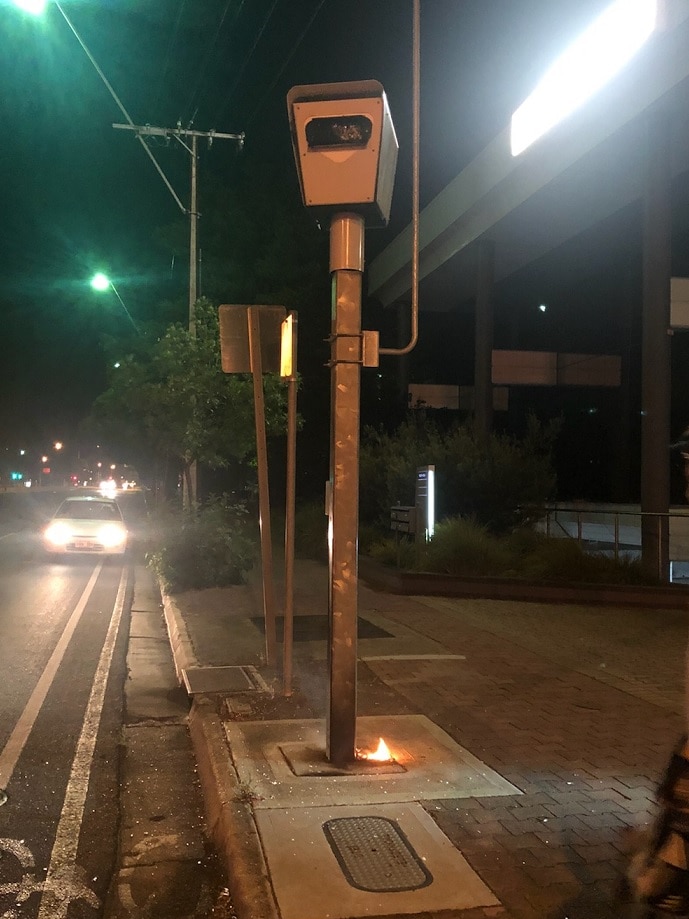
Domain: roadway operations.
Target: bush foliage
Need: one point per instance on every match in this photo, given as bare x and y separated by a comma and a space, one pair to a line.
467, 549
311, 532
214, 545
499, 481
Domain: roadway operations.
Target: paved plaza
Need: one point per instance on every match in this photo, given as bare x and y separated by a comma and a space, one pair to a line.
576, 708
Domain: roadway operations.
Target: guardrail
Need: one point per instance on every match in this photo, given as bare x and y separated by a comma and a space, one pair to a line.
618, 527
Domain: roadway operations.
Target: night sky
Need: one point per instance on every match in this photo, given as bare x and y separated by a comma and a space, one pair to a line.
78, 196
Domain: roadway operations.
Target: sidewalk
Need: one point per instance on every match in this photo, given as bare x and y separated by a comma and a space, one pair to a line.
544, 729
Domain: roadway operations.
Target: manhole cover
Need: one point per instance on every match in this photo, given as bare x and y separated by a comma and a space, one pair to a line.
375, 855
315, 628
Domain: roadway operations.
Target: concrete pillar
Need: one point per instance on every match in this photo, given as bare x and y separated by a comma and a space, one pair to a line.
655, 351
483, 349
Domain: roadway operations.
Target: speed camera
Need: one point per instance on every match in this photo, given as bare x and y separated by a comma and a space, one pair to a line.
345, 148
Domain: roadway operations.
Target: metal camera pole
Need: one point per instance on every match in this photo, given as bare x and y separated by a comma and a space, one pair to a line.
346, 266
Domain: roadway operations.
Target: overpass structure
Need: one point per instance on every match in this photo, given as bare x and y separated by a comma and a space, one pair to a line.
502, 213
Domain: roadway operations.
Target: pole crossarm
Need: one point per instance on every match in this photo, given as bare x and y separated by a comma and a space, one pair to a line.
178, 132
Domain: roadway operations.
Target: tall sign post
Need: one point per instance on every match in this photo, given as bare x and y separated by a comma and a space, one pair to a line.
346, 153
250, 342
288, 372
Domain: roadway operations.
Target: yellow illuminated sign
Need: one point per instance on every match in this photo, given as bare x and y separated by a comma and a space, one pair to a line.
287, 355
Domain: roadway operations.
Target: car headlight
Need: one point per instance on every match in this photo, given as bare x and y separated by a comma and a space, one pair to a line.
112, 535
58, 534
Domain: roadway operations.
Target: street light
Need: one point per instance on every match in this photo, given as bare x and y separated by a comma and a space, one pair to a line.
35, 7
590, 62
101, 282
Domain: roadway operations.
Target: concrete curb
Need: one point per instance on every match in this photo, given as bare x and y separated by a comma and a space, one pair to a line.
183, 653
229, 817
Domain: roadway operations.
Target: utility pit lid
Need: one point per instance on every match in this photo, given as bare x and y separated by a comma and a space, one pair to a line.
375, 854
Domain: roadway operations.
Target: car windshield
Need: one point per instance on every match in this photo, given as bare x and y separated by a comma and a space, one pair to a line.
89, 510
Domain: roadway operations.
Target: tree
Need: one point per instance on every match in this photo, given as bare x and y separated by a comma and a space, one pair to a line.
173, 403
261, 246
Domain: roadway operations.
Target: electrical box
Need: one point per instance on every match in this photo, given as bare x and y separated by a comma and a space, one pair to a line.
345, 148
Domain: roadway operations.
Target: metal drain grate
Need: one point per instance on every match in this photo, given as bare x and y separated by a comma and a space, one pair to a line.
375, 855
217, 679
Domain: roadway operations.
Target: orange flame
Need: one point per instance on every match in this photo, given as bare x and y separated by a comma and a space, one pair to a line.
381, 754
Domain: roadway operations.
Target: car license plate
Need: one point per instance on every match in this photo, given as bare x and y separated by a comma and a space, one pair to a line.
82, 544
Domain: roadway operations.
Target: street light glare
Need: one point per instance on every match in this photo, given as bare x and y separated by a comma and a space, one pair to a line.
100, 281
35, 7
588, 64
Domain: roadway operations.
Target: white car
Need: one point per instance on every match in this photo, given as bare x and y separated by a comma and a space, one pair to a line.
87, 525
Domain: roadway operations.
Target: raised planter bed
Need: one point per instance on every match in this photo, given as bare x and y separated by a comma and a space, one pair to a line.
671, 596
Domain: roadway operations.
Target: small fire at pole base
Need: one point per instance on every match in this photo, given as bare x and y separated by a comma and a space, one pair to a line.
381, 754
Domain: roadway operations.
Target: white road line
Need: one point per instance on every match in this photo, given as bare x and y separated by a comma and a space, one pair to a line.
22, 729
60, 879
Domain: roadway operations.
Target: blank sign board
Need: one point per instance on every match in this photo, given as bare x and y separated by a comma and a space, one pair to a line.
234, 337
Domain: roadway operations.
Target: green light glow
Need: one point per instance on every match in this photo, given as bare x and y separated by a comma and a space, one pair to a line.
35, 7
100, 281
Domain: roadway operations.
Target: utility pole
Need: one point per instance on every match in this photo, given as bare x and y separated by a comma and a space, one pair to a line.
189, 140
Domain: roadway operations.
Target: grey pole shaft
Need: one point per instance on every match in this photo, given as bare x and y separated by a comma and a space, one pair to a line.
193, 237
288, 623
655, 351
193, 296
346, 264
263, 491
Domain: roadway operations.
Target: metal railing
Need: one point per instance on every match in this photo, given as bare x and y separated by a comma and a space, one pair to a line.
620, 528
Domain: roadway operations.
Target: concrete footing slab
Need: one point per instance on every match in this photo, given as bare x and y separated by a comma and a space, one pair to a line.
427, 764
308, 877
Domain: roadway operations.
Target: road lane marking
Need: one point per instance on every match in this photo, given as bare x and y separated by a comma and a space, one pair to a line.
64, 880
23, 889
17, 740
70, 887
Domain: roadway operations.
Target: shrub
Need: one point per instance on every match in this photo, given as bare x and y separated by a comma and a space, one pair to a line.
400, 552
464, 547
311, 532
499, 481
551, 559
214, 545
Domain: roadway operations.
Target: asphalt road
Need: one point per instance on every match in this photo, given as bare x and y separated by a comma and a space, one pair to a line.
63, 635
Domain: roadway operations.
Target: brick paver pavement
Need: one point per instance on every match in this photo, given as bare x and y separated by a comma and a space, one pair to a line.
577, 707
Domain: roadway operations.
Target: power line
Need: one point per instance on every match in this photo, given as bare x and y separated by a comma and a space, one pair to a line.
202, 69
246, 60
185, 137
118, 102
284, 66
168, 55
